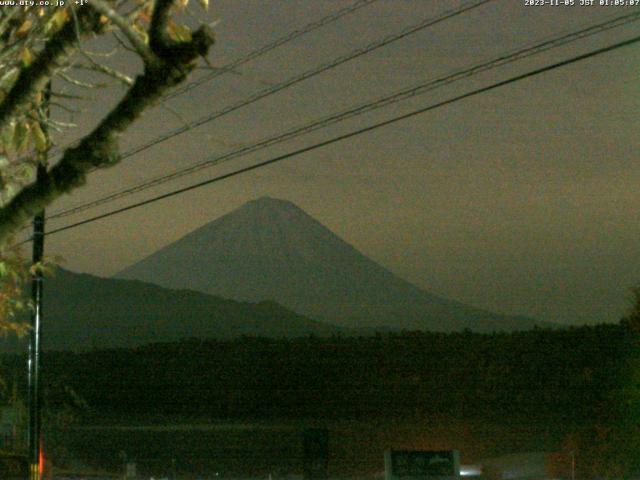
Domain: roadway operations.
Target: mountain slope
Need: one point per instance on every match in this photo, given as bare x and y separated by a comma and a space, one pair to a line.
271, 249
82, 312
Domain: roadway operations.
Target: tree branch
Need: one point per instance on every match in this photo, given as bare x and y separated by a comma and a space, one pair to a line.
99, 149
157, 31
97, 67
134, 37
33, 78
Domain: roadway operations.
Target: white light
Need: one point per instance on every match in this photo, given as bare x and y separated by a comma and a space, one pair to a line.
470, 471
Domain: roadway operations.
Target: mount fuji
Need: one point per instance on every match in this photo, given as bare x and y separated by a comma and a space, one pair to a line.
269, 249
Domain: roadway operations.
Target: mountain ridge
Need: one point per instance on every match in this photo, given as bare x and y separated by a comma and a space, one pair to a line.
271, 249
82, 312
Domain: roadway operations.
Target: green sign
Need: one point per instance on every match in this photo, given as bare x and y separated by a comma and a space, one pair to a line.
420, 463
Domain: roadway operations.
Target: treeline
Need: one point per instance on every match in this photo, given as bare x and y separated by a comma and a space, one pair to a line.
547, 375
578, 384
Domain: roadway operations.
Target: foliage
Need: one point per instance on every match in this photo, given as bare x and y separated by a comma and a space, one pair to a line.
632, 319
44, 64
13, 276
62, 410
609, 446
555, 390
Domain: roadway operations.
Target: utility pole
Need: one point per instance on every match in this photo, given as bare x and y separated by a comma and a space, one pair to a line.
35, 393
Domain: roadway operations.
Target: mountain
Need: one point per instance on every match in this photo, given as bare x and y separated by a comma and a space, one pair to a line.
269, 249
83, 312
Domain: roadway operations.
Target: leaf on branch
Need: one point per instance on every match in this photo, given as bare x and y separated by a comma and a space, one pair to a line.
143, 33
8, 79
56, 124
57, 20
35, 269
21, 137
23, 30
23, 173
144, 16
7, 135
204, 4
8, 191
180, 33
44, 267
39, 138
26, 57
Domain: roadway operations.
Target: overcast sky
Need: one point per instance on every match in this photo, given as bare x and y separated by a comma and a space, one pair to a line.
522, 201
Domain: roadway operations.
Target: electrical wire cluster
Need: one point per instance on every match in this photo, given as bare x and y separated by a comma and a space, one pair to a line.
503, 59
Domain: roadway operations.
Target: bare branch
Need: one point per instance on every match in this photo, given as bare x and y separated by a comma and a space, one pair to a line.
134, 12
33, 78
67, 96
108, 54
79, 83
97, 67
58, 125
125, 27
122, 43
99, 148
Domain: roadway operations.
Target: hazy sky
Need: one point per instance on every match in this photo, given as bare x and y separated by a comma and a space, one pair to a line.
522, 201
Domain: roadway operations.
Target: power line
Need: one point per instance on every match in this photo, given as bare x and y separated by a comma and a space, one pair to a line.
426, 23
258, 52
354, 133
272, 46
398, 96
309, 74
